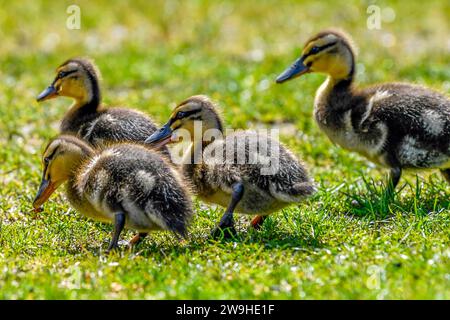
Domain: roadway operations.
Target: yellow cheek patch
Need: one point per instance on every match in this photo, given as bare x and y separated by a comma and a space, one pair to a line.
72, 87
58, 84
55, 169
176, 124
308, 60
76, 87
333, 65
61, 166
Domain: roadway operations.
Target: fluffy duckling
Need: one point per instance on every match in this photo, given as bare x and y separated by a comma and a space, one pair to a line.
129, 184
395, 125
222, 171
87, 119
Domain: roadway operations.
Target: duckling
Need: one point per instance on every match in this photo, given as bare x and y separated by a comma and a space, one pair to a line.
222, 171
79, 79
129, 184
395, 125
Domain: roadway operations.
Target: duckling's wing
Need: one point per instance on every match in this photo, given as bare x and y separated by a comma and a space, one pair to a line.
116, 124
416, 121
119, 124
264, 164
156, 188
410, 108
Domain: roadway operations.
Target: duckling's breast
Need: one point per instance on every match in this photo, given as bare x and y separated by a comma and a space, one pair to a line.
368, 141
83, 205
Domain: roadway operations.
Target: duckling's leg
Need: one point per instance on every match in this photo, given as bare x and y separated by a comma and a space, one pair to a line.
394, 178
258, 221
446, 174
138, 238
226, 224
119, 224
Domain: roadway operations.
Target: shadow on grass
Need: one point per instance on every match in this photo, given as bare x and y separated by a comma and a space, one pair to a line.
269, 238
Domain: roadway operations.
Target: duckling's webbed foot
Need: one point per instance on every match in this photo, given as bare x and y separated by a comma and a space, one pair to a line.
446, 174
226, 224
119, 224
225, 230
257, 222
137, 238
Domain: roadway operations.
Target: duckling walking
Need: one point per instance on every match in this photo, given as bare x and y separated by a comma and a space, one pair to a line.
129, 184
395, 125
241, 187
79, 79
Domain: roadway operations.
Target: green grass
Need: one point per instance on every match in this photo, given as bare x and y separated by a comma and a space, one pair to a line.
152, 58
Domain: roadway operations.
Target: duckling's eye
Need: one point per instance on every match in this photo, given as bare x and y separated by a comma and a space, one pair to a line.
314, 50
181, 114
46, 160
62, 74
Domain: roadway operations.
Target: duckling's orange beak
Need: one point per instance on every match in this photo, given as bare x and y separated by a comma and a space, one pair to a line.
49, 93
295, 70
161, 137
46, 189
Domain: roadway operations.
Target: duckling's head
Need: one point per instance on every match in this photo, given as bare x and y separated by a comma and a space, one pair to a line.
76, 78
196, 109
60, 158
329, 51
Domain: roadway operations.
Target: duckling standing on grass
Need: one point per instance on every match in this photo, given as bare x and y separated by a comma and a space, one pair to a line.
129, 184
396, 125
219, 176
79, 79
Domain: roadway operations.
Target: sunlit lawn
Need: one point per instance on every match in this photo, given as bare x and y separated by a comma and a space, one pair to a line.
155, 54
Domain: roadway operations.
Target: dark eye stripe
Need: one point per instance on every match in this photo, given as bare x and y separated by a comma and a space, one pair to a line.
51, 155
319, 49
185, 114
63, 74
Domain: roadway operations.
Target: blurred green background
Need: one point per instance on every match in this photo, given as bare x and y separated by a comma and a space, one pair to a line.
155, 54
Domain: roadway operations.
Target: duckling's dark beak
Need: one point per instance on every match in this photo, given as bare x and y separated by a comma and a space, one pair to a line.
161, 137
45, 191
295, 70
48, 93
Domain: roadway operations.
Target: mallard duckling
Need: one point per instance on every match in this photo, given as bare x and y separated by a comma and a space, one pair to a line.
222, 171
129, 184
78, 79
395, 125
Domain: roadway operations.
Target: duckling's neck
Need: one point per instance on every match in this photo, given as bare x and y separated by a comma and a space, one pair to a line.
195, 153
77, 176
194, 156
91, 100
333, 97
81, 109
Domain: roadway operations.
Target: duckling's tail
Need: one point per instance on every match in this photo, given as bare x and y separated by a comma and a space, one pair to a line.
179, 216
304, 189
295, 192
180, 229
